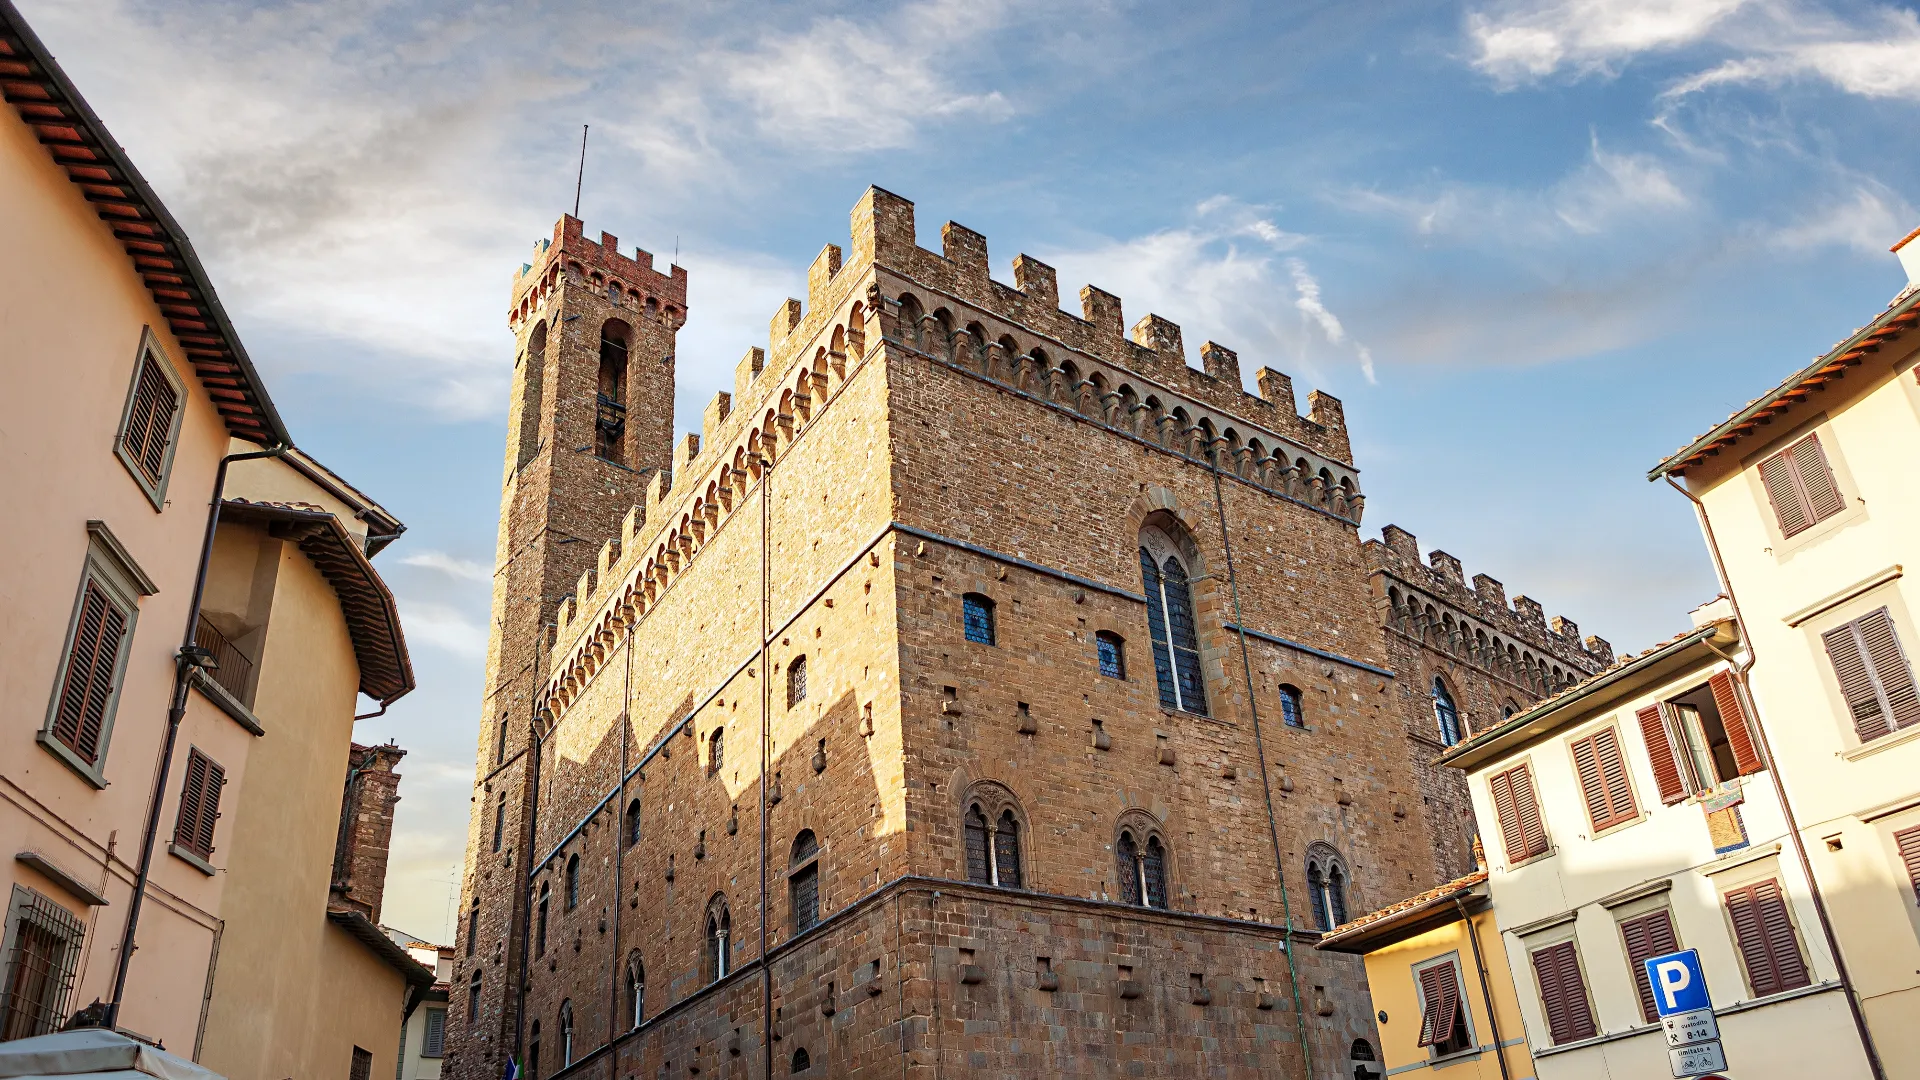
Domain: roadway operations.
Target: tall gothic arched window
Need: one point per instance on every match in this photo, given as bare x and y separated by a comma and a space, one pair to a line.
803, 882
1006, 851
636, 991
716, 751
991, 825
610, 417
979, 853
473, 927
1326, 886
473, 999
533, 1052
1445, 713
719, 958
566, 1034
1167, 581
1142, 869
630, 830
573, 882
540, 926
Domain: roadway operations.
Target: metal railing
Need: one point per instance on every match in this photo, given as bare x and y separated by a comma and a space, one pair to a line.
234, 672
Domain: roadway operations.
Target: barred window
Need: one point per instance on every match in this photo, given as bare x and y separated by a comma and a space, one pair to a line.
540, 925
151, 423
473, 927
362, 1066
1113, 658
803, 882
977, 613
43, 950
796, 681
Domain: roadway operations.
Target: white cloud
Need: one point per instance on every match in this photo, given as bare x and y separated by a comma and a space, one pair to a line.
464, 569
1881, 60
1307, 301
1868, 222
1528, 41
443, 626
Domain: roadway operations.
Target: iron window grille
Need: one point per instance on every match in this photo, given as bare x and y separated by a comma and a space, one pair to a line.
43, 947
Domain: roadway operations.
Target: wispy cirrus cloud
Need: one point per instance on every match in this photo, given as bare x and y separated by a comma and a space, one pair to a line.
451, 566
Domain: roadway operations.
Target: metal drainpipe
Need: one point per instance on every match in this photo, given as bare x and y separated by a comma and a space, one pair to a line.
1779, 785
190, 658
619, 853
1259, 744
766, 734
1486, 989
526, 894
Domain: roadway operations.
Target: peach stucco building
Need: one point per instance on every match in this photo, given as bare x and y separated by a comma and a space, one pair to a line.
184, 760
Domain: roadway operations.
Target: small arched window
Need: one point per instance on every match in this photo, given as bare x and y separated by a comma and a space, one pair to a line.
1362, 1050
1113, 656
803, 882
500, 742
801, 1062
473, 999
716, 751
976, 612
796, 681
636, 991
1170, 622
1507, 710
533, 1051
719, 930
540, 923
473, 926
1326, 886
1142, 868
1292, 713
630, 827
573, 882
499, 822
1445, 713
566, 1034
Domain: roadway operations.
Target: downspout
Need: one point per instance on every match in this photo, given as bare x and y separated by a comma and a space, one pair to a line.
1779, 785
1486, 989
526, 893
619, 863
189, 659
1259, 745
766, 734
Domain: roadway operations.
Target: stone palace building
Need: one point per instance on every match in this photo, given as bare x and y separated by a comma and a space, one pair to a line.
983, 691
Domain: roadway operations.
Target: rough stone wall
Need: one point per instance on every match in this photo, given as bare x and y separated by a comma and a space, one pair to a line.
1493, 658
930, 433
366, 828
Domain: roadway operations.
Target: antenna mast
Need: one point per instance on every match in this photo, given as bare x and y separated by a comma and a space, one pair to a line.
582, 174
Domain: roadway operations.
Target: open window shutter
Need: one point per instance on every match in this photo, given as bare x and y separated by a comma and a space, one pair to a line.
1527, 809
187, 828
216, 778
1890, 667
1647, 936
1501, 788
1857, 684
1440, 988
1908, 841
1746, 755
1569, 1019
1816, 479
82, 716
1666, 769
1776, 475
1592, 787
151, 420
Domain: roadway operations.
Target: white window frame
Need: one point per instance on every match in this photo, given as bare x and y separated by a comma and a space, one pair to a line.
1466, 1007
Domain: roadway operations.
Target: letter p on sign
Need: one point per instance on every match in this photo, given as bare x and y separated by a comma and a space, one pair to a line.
1679, 986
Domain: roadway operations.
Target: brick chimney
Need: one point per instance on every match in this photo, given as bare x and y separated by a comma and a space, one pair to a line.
366, 829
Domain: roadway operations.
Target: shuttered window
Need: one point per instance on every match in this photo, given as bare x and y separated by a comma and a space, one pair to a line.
1564, 993
1908, 841
1440, 1015
1647, 936
1659, 740
1519, 812
148, 427
1800, 485
199, 804
1603, 779
1874, 676
1740, 735
1769, 948
435, 1041
93, 659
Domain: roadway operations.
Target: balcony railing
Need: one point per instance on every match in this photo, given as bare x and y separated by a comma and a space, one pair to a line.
234, 672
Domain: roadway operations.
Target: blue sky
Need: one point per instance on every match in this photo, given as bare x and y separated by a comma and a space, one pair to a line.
1532, 245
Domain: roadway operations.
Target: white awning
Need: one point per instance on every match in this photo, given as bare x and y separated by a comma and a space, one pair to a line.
93, 1054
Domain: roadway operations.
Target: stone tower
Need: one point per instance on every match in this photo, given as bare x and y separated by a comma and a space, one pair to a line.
590, 426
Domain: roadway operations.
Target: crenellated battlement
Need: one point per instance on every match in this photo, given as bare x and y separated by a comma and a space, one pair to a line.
1433, 601
600, 266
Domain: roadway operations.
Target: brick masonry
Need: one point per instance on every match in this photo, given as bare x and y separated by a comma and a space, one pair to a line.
366, 829
913, 433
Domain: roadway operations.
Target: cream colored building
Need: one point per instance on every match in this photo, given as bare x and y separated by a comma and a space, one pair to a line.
124, 391
1630, 816
423, 1036
1812, 510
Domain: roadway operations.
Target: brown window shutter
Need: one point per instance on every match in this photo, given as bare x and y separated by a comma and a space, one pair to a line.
1857, 684
1767, 942
151, 419
1647, 936
1563, 993
1501, 788
1746, 755
199, 804
1527, 807
1816, 479
1908, 841
1613, 769
1666, 768
1603, 779
1890, 668
1789, 508
1440, 989
81, 718
1587, 764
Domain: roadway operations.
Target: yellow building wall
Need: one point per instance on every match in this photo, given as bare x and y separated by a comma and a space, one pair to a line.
1391, 982
72, 314
293, 994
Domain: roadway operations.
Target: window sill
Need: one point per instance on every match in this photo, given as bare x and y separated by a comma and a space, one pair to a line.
90, 773
1885, 742
191, 859
1530, 860
1620, 826
225, 701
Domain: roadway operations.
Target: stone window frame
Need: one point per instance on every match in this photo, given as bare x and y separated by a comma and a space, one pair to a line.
981, 605
1442, 696
155, 487
1323, 863
1105, 641
716, 950
1293, 707
636, 987
110, 568
798, 864
1145, 829
573, 881
1163, 536
796, 680
995, 800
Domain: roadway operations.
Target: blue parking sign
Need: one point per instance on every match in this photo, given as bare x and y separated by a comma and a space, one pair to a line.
1679, 985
